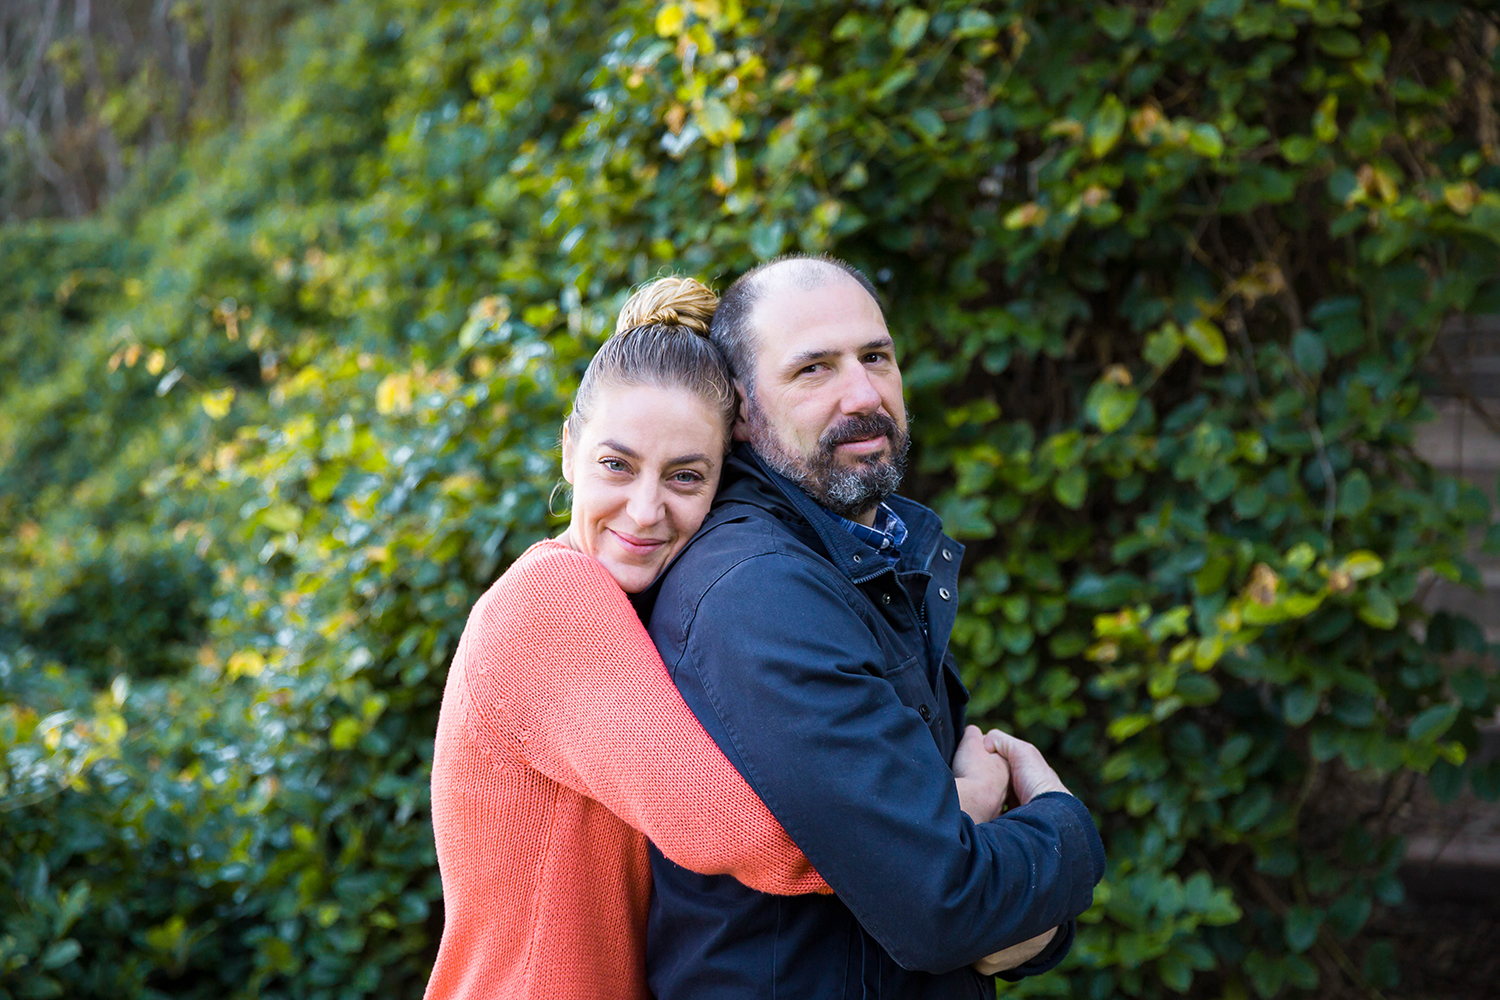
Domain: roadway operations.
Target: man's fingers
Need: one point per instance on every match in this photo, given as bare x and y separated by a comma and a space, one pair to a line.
1006, 745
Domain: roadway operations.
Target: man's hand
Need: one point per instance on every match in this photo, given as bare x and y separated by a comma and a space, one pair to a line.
1030, 774
982, 777
1016, 954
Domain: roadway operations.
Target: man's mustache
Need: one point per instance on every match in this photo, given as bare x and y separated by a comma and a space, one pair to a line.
859, 429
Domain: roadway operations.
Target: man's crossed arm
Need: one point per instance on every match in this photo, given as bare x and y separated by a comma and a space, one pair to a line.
801, 704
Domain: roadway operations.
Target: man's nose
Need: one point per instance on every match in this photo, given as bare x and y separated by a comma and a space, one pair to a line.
645, 504
860, 395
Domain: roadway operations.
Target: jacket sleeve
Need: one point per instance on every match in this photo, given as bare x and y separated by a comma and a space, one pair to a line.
566, 674
799, 702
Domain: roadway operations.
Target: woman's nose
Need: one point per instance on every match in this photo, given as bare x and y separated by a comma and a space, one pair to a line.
645, 504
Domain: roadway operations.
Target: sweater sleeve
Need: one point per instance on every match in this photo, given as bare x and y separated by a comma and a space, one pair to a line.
562, 669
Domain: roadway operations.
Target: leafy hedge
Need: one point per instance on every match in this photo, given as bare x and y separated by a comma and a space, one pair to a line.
1164, 280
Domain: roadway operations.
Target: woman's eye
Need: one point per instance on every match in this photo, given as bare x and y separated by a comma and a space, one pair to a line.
686, 478
614, 465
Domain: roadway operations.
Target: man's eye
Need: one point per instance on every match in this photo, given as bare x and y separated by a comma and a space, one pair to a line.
875, 358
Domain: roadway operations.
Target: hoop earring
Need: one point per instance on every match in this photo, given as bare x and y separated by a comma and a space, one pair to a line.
562, 484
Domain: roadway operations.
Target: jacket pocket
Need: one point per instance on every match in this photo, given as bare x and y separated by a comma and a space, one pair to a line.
909, 678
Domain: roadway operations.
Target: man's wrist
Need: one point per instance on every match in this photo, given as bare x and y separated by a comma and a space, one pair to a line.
977, 798
1048, 958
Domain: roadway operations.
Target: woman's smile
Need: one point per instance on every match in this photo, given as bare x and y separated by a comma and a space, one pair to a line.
640, 546
644, 468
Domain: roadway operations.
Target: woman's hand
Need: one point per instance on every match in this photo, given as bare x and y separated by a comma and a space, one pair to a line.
982, 777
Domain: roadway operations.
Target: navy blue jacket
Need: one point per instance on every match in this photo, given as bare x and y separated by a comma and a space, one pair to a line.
823, 673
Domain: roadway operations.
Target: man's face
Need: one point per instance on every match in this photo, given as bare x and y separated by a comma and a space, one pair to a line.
825, 409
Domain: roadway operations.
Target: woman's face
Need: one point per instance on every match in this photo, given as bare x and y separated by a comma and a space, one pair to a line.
644, 468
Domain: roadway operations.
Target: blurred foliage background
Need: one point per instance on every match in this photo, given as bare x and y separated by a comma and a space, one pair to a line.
293, 295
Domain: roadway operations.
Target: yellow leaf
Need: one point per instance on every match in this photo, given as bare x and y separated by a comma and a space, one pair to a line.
1127, 726
718, 123
669, 20
346, 732
217, 404
394, 394
1461, 197
1147, 123
1107, 651
1206, 340
1108, 123
157, 362
1207, 652
245, 663
1067, 128
281, 517
1362, 565
1263, 585
1386, 185
1029, 214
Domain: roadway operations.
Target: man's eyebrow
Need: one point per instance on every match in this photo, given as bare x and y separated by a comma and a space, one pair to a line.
819, 353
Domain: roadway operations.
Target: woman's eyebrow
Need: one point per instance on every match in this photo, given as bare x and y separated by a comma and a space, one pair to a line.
617, 446
613, 445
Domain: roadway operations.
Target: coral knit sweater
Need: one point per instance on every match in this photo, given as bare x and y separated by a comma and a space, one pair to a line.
562, 745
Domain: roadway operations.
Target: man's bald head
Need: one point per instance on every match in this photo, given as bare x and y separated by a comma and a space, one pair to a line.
733, 328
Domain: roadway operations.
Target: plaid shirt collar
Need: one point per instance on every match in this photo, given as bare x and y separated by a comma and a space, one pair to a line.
886, 536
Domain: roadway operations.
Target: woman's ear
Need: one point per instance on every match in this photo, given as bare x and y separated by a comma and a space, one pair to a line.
567, 458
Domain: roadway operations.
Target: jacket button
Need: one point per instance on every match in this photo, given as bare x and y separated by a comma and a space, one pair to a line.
856, 558
925, 713
885, 598
943, 593
947, 556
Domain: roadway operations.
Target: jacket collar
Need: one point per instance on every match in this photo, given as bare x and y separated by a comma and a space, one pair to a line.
748, 480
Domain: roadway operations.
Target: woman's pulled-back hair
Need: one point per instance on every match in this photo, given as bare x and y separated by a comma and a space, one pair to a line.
661, 339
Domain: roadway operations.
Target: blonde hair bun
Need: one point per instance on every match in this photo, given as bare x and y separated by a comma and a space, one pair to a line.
670, 301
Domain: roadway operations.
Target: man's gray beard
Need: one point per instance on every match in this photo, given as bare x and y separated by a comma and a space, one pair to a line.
848, 491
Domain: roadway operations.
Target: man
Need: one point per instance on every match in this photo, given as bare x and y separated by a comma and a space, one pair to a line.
807, 626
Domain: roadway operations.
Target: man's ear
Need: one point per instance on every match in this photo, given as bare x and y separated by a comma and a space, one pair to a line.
741, 430
567, 458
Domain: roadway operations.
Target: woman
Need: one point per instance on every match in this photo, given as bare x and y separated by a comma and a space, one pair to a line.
562, 744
